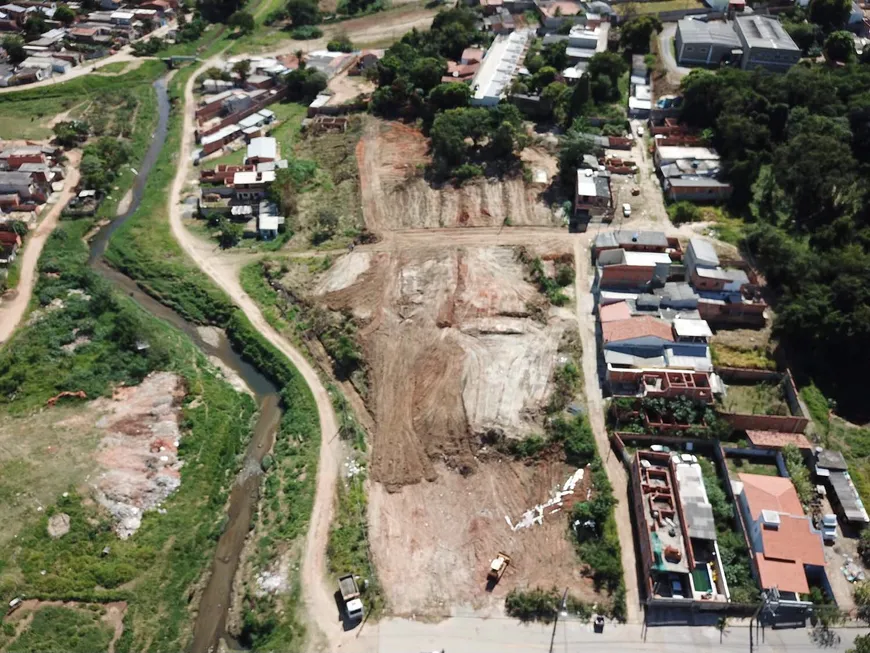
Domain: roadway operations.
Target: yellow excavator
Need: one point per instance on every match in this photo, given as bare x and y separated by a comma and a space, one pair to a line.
497, 567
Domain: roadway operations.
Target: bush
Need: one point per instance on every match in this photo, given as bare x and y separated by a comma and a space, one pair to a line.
682, 212
565, 275
306, 33
543, 605
467, 171
800, 475
341, 43
528, 447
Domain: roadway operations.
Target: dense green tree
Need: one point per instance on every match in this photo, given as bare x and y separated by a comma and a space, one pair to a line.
303, 12
860, 645
231, 234
215, 11
34, 26
427, 73
14, 46
69, 133
830, 15
804, 34
242, 21
635, 34
839, 46
573, 146
556, 55
65, 15
242, 68
452, 95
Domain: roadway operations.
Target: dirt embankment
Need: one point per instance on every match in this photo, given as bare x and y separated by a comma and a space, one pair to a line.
392, 160
454, 357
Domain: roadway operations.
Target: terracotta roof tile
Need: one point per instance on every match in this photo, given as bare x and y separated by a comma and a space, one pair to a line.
785, 576
793, 540
636, 327
614, 312
778, 439
770, 493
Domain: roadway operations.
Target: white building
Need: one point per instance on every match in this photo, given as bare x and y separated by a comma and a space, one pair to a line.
499, 67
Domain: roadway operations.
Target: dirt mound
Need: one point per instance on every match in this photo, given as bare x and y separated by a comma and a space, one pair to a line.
443, 536
392, 158
453, 355
139, 450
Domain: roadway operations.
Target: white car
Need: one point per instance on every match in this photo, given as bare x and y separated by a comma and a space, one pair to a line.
626, 210
640, 132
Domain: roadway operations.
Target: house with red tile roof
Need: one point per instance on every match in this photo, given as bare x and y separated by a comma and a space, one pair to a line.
787, 550
637, 332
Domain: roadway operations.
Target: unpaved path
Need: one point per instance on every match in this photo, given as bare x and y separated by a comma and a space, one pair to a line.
595, 410
124, 54
317, 594
13, 310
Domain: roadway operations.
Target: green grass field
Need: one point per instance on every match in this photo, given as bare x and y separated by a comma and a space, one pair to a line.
657, 6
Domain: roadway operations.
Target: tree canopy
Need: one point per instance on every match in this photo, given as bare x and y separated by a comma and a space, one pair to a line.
635, 33
303, 12
796, 147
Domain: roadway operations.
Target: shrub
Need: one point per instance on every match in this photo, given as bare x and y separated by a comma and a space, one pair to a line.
565, 275
800, 475
684, 212
532, 605
306, 33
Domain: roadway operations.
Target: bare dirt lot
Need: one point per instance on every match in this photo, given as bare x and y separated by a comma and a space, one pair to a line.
392, 159
454, 355
139, 448
460, 350
443, 535
109, 445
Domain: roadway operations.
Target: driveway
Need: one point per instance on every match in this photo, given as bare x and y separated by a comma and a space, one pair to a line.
666, 38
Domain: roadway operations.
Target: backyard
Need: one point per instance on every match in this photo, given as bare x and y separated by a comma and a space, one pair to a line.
755, 399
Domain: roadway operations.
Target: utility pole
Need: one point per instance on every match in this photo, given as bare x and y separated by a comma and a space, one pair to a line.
562, 608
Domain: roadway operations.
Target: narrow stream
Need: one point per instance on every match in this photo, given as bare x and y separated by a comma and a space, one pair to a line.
211, 620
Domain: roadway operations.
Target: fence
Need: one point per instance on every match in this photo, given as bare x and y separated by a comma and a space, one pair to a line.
232, 119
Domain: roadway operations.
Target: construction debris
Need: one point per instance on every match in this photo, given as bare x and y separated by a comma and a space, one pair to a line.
553, 505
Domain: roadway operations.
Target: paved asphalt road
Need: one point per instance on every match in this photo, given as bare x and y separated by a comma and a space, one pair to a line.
501, 635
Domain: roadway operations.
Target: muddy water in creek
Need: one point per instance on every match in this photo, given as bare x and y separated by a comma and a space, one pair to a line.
211, 619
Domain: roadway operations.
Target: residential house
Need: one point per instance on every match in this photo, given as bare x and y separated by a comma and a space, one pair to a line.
499, 67
675, 529
215, 141
459, 72
787, 549
710, 43
262, 150
633, 241
269, 220
765, 44
619, 268
696, 189
502, 22
367, 60
259, 82
670, 154
251, 186
593, 191
329, 63
704, 272
22, 184
555, 13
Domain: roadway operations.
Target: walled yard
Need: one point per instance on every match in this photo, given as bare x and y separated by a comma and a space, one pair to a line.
396, 195
460, 351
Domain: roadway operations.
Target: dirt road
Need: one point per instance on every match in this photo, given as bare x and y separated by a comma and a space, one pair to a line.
318, 596
124, 54
595, 410
13, 310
